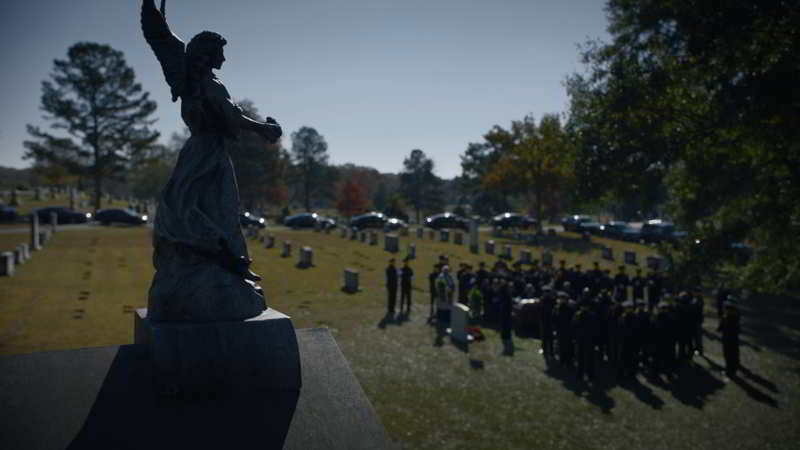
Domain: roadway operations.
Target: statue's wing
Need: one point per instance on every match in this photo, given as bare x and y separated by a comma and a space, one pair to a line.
169, 49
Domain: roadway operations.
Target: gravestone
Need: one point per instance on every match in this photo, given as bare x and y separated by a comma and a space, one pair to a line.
412, 251
458, 238
507, 251
35, 243
525, 256
7, 264
390, 243
373, 238
420, 233
286, 251
490, 247
44, 236
444, 235
350, 281
608, 253
53, 221
655, 262
26, 251
473, 237
306, 258
459, 320
19, 255
431, 234
630, 257
269, 242
586, 236
547, 259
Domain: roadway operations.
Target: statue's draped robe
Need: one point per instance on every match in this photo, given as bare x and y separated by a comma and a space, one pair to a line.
197, 235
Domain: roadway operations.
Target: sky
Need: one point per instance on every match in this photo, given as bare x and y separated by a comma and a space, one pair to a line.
376, 78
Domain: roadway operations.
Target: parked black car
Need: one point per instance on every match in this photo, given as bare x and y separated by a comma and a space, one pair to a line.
446, 220
621, 231
64, 215
247, 219
129, 216
513, 220
656, 231
308, 220
573, 222
8, 214
369, 220
394, 223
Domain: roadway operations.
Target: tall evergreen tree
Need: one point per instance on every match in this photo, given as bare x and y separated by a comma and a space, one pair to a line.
418, 184
310, 157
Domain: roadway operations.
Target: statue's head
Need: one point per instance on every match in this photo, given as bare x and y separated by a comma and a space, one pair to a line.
205, 50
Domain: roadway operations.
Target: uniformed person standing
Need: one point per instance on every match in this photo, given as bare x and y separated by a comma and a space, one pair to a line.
547, 306
432, 286
621, 282
406, 275
730, 327
564, 313
584, 326
391, 286
638, 283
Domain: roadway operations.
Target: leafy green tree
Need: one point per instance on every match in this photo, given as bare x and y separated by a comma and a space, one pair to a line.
418, 184
94, 98
310, 158
700, 96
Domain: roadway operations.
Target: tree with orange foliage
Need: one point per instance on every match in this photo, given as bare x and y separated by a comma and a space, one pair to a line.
351, 199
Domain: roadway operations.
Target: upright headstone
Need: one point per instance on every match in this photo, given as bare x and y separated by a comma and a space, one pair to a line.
608, 253
35, 244
44, 236
473, 237
586, 236
19, 255
286, 251
490, 247
458, 238
525, 256
507, 251
444, 235
53, 221
350, 280
412, 251
269, 242
459, 320
306, 257
547, 259
26, 251
363, 236
630, 257
655, 262
7, 264
420, 232
373, 238
390, 243
353, 234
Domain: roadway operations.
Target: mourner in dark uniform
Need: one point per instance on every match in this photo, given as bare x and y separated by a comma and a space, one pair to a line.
621, 282
506, 294
432, 287
730, 327
585, 325
684, 325
698, 313
627, 341
391, 286
564, 313
638, 284
654, 290
406, 275
664, 339
547, 306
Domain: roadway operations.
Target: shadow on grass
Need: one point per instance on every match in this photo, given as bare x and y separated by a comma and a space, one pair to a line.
595, 394
773, 322
754, 393
642, 392
693, 384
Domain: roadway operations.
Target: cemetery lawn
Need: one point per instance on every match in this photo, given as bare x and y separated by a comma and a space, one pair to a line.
82, 288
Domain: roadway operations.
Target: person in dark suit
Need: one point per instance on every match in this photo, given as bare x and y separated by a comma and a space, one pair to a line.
730, 327
406, 275
391, 286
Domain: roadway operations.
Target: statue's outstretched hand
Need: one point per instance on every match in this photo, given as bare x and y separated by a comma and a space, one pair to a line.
271, 130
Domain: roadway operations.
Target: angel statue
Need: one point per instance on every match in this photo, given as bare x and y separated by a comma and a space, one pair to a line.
200, 255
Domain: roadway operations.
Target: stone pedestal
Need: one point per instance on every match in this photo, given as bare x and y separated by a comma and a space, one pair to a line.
7, 264
286, 251
630, 257
35, 243
458, 238
306, 258
26, 251
490, 247
608, 253
420, 233
199, 360
412, 251
350, 281
444, 235
525, 256
390, 243
44, 236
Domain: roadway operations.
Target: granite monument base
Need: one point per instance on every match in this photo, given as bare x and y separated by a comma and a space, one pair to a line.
219, 358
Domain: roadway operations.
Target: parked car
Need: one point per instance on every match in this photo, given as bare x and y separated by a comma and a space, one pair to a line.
621, 231
308, 220
8, 214
64, 215
395, 223
656, 231
446, 220
573, 222
369, 220
129, 216
247, 219
513, 220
